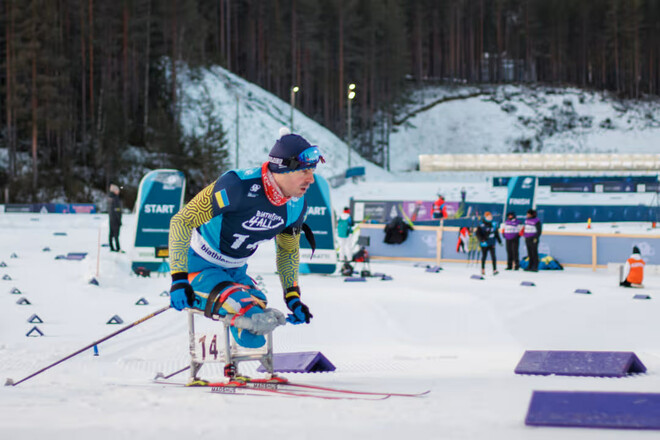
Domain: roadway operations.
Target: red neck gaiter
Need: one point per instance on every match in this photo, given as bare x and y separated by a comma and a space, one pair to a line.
273, 192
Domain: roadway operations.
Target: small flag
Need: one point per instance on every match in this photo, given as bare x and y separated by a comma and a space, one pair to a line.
221, 198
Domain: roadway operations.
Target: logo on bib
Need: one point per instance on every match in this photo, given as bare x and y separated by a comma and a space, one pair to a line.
263, 221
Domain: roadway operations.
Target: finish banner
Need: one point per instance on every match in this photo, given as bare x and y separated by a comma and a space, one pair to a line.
520, 197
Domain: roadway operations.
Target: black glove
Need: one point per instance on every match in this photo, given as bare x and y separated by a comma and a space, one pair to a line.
182, 294
301, 313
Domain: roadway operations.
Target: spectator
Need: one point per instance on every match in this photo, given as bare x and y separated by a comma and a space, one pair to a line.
344, 232
487, 234
114, 217
633, 271
532, 233
511, 233
439, 208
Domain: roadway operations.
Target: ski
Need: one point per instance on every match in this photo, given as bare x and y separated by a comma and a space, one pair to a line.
277, 382
264, 389
356, 392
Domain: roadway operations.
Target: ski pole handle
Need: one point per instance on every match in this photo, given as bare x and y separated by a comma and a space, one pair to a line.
139, 321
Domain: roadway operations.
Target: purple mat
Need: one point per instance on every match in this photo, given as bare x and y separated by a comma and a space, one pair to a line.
587, 291
594, 410
580, 363
528, 283
300, 362
76, 255
642, 296
477, 277
433, 269
354, 279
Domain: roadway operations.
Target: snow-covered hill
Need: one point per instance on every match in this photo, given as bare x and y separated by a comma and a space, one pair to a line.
509, 119
260, 116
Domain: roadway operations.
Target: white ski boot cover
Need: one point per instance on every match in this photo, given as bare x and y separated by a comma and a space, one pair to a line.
259, 323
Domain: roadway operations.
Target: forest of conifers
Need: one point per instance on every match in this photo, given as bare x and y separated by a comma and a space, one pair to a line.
81, 80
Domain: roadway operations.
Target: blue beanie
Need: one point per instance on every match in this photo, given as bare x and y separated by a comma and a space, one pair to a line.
287, 147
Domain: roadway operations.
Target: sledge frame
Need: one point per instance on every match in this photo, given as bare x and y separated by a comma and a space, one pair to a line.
231, 352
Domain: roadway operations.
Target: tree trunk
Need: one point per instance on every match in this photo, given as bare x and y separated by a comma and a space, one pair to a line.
91, 61
145, 117
83, 85
340, 67
9, 40
34, 116
174, 36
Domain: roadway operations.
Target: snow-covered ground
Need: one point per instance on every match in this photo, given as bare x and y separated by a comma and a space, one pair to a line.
445, 332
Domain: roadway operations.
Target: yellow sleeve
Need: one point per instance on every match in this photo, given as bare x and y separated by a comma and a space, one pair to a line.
288, 259
197, 212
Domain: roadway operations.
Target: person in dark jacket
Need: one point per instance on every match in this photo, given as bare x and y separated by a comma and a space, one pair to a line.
511, 233
532, 232
114, 213
488, 234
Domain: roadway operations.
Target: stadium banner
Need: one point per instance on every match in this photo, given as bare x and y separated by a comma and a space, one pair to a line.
616, 249
320, 220
421, 243
52, 208
160, 196
520, 196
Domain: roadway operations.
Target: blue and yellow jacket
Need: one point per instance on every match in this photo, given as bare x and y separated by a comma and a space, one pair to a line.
226, 222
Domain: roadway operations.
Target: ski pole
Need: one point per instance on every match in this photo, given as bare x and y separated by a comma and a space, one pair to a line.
139, 321
162, 376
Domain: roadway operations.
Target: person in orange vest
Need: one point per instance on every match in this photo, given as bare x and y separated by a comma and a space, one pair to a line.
633, 270
439, 208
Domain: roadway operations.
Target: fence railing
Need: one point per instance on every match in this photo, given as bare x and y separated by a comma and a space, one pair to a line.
577, 249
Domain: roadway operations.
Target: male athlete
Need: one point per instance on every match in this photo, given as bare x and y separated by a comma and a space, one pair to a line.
213, 236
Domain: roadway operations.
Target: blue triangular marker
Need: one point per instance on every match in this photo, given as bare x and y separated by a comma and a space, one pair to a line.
15, 291
33, 330
59, 233
164, 293
6, 277
13, 255
94, 281
142, 302
34, 319
115, 320
23, 301
46, 249
3, 264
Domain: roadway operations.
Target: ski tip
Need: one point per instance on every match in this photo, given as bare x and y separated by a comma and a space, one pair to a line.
9, 382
